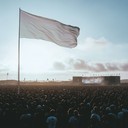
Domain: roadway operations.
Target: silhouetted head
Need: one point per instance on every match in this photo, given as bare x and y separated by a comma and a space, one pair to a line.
52, 112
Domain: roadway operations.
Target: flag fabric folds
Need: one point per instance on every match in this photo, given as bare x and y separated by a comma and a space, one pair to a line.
36, 27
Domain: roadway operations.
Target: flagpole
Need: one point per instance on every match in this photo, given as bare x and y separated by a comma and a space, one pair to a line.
18, 90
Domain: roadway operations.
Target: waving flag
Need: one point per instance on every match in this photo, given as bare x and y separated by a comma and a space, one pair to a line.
36, 27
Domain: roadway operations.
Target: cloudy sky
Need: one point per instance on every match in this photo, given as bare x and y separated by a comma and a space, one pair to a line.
102, 44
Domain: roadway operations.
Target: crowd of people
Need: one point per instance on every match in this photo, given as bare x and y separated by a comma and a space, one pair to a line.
64, 107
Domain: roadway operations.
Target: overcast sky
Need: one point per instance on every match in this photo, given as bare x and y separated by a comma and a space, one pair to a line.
102, 44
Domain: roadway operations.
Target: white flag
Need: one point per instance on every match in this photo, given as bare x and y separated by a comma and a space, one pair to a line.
36, 27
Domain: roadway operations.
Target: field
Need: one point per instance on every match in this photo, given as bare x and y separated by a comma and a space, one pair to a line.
32, 106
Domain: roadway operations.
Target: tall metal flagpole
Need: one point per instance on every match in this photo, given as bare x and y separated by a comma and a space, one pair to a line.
18, 90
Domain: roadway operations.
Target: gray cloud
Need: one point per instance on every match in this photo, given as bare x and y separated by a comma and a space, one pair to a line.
59, 66
112, 66
80, 64
100, 67
124, 67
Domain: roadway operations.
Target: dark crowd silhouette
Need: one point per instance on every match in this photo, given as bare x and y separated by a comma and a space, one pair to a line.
64, 107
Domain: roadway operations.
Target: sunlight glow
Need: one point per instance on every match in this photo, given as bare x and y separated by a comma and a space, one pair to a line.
39, 56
